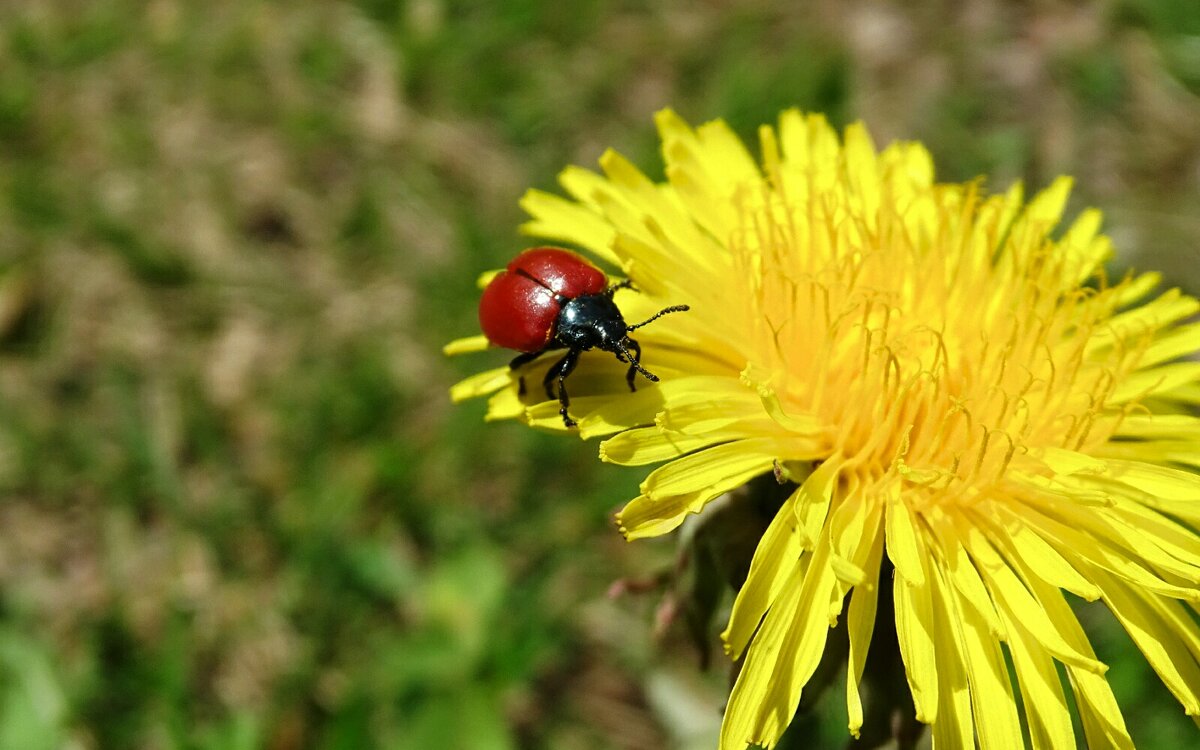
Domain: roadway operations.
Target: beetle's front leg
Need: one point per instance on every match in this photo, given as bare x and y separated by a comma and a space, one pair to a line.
624, 284
635, 358
559, 372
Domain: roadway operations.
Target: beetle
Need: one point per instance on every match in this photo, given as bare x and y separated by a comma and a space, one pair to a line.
549, 298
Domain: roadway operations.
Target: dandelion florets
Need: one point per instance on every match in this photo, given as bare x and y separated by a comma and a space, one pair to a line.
953, 383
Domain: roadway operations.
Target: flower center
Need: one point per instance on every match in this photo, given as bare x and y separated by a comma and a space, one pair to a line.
938, 340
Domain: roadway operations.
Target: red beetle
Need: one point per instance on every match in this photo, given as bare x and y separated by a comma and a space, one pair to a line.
549, 298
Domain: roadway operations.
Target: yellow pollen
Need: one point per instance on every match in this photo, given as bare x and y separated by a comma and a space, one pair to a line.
935, 341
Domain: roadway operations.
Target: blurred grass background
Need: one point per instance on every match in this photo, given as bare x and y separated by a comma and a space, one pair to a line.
238, 510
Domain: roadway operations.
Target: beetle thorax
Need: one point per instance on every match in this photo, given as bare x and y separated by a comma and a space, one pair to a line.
590, 321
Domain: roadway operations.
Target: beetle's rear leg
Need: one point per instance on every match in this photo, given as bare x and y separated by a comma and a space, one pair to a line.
559, 372
523, 359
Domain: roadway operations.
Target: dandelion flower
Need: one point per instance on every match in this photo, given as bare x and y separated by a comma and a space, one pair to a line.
952, 382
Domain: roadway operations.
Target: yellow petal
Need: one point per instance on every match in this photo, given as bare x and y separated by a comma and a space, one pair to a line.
1176, 619
1137, 288
655, 264
1147, 524
705, 167
783, 657
1099, 713
1071, 462
1046, 709
583, 184
648, 445
853, 530
958, 569
712, 213
1158, 481
1183, 452
560, 220
1081, 240
609, 413
1164, 310
743, 459
742, 725
1171, 491
466, 345
713, 413
903, 548
1188, 393
862, 172
687, 484
1184, 426
644, 517
725, 156
954, 728
486, 277
1178, 342
811, 511
666, 218
1081, 547
505, 404
992, 702
1155, 380
777, 554
1103, 725
915, 628
1011, 595
1023, 545
1161, 646
1047, 206
481, 384
860, 625
671, 126
808, 140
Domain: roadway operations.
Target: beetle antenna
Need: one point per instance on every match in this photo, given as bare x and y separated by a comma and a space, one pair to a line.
634, 363
659, 314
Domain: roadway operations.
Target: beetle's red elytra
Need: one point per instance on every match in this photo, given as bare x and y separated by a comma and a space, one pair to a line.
549, 298
520, 306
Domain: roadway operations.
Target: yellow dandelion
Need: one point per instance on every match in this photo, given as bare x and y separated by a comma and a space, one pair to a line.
951, 380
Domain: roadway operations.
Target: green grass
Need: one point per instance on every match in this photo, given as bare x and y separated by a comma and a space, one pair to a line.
239, 510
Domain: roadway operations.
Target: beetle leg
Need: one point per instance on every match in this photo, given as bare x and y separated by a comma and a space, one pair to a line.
523, 359
621, 285
635, 358
559, 371
520, 361
552, 373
